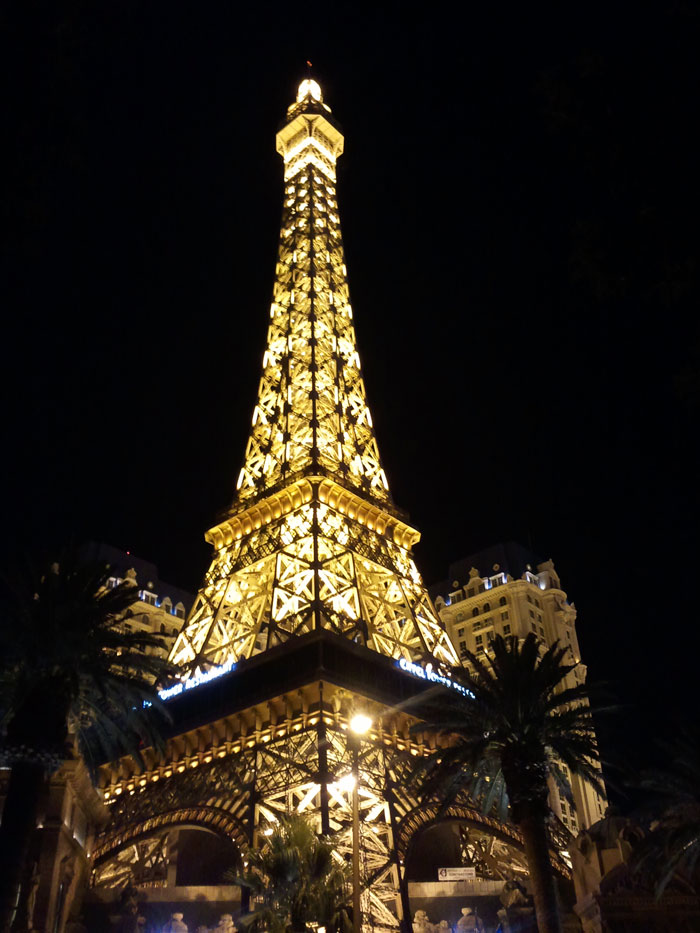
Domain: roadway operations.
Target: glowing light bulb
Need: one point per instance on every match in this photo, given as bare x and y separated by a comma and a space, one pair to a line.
346, 783
309, 87
360, 724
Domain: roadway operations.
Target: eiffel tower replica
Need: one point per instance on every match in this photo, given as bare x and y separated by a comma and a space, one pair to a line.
312, 609
313, 541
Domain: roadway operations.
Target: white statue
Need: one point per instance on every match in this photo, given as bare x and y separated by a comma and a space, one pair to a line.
469, 922
225, 925
175, 924
421, 923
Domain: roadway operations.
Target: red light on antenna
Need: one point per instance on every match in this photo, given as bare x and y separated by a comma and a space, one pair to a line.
309, 63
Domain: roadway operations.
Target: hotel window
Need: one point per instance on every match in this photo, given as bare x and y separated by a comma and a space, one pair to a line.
506, 629
180, 611
532, 614
462, 646
542, 630
475, 612
504, 615
460, 631
479, 639
533, 626
487, 607
502, 601
147, 597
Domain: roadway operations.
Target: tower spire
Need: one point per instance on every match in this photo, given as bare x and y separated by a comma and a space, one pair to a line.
313, 540
312, 415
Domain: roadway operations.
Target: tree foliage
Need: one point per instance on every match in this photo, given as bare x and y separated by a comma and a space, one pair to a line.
519, 721
70, 671
68, 665
673, 843
297, 878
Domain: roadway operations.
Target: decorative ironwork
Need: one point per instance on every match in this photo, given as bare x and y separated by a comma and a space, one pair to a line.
313, 539
312, 542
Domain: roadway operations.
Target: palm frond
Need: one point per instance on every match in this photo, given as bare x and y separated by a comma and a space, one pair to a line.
520, 720
68, 661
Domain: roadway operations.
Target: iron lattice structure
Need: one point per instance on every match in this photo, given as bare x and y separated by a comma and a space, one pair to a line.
313, 540
312, 581
238, 774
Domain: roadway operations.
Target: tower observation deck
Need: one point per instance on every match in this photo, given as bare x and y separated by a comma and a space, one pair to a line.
313, 540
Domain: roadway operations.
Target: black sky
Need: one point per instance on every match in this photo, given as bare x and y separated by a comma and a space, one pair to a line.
519, 199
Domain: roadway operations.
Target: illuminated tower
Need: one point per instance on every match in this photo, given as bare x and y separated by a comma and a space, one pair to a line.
313, 540
312, 611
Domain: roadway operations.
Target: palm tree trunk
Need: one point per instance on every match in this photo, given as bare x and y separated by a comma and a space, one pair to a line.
532, 826
19, 817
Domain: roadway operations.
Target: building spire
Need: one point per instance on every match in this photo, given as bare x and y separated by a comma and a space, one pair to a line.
311, 415
313, 540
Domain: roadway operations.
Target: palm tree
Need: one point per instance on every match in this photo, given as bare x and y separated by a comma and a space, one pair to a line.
297, 878
673, 842
518, 722
69, 672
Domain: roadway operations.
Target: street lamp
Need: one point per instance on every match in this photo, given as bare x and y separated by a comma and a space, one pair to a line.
360, 724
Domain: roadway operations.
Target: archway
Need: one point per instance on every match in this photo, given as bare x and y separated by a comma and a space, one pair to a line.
457, 858
185, 861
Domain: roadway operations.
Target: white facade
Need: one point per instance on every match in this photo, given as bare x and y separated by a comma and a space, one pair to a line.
476, 609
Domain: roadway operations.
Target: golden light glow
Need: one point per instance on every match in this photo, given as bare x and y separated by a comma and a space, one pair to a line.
313, 540
360, 724
309, 87
346, 782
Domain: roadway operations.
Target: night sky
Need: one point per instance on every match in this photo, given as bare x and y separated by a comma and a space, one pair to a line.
519, 199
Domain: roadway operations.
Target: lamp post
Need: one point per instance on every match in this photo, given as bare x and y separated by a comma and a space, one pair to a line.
359, 726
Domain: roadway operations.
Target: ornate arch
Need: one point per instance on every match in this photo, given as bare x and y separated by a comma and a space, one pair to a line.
213, 819
428, 814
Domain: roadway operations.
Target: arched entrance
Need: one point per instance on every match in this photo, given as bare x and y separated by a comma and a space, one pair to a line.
185, 861
456, 858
